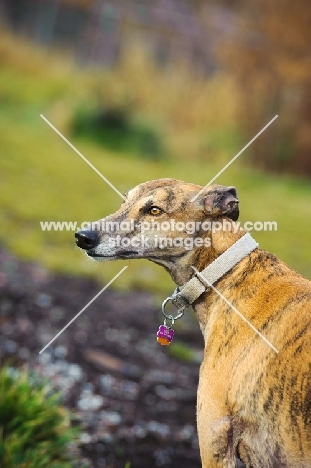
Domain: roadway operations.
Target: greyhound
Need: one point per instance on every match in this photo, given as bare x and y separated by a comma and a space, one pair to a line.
254, 400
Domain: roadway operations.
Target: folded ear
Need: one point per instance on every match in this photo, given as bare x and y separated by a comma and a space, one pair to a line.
222, 201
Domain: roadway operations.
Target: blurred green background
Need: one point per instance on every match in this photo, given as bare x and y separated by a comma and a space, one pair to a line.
148, 90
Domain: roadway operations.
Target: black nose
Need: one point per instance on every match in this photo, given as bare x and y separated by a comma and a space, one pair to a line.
87, 240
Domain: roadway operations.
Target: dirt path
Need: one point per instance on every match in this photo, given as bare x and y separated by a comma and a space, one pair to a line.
136, 403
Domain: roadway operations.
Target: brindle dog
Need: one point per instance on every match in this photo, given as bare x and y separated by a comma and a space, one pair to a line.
252, 402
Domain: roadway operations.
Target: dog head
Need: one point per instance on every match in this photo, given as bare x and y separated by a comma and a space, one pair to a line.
158, 221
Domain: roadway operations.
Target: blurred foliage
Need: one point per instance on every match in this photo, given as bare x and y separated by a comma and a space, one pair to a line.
113, 128
181, 351
42, 178
35, 430
270, 60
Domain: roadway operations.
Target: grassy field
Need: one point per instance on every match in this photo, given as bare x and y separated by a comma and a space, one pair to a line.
41, 178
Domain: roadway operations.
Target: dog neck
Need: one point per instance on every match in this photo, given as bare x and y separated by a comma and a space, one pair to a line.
192, 290
181, 271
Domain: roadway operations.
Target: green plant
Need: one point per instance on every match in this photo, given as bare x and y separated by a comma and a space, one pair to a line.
35, 430
181, 351
116, 129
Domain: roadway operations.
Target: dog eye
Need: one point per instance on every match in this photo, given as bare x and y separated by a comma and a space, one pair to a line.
155, 210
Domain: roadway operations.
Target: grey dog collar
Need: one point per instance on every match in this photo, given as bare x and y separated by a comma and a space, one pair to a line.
185, 295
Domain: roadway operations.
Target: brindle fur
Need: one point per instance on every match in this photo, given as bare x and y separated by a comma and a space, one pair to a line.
252, 402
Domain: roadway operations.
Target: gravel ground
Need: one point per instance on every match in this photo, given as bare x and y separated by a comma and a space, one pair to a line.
135, 402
